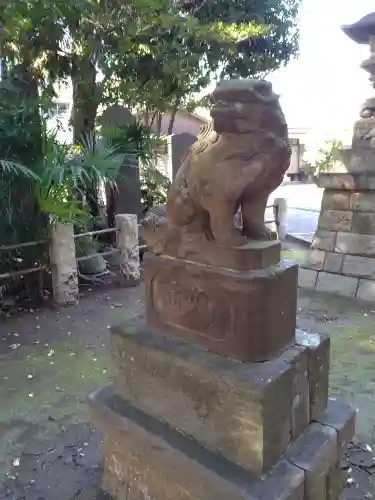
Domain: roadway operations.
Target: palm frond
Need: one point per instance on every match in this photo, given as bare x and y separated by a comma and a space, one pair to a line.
17, 169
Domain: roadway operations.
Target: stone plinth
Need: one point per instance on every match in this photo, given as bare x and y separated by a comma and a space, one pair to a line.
250, 316
147, 458
342, 257
207, 397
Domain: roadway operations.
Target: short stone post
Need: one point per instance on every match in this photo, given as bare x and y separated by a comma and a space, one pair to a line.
63, 265
128, 245
280, 210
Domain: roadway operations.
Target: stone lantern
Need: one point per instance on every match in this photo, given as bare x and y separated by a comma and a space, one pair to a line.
342, 257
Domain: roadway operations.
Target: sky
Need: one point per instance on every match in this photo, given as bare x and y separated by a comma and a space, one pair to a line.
325, 87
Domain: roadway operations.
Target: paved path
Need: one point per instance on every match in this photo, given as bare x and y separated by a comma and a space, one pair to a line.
304, 202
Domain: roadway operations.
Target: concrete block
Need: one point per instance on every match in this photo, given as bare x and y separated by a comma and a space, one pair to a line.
362, 202
366, 290
333, 262
362, 267
307, 278
335, 283
335, 220
147, 459
244, 411
324, 240
336, 200
355, 244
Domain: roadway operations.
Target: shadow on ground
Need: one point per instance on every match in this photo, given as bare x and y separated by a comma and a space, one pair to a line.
50, 361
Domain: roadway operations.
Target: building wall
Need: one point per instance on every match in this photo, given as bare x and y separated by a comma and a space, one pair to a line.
184, 123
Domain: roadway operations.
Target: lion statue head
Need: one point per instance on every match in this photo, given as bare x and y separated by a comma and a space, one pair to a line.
246, 106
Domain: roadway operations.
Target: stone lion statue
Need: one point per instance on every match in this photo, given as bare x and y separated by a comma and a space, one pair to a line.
237, 161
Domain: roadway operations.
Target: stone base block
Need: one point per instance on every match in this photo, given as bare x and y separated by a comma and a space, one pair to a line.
319, 450
248, 412
249, 316
145, 458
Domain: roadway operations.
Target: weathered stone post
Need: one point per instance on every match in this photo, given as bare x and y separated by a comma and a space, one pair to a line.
342, 259
127, 243
216, 396
280, 207
63, 265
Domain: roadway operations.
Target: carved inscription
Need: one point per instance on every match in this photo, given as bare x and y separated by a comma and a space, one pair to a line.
189, 306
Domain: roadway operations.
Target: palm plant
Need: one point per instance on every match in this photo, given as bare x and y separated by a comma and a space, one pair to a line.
67, 173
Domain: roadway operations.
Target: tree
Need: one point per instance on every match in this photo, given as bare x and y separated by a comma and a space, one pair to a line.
151, 54
270, 46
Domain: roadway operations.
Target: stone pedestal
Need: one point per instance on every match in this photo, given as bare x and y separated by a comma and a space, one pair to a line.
184, 423
193, 414
249, 316
342, 257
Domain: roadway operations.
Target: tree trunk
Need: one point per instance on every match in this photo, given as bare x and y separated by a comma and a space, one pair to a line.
85, 107
172, 118
85, 98
158, 123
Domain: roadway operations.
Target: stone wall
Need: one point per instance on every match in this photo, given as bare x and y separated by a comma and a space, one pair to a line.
342, 257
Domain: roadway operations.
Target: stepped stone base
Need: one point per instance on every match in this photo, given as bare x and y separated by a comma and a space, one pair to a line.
248, 412
182, 423
144, 458
342, 257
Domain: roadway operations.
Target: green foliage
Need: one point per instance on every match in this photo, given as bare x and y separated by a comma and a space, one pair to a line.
140, 140
152, 54
154, 188
327, 157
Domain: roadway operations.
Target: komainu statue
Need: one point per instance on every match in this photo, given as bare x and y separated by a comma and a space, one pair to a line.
237, 161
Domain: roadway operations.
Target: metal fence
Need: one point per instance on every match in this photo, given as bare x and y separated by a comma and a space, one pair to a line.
38, 268
22, 272
107, 253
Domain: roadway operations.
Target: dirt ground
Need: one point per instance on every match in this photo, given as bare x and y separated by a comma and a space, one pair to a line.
50, 361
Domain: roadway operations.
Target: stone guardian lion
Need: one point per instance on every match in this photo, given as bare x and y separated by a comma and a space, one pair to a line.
237, 161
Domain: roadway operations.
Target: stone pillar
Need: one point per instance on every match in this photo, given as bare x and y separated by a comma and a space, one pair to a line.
128, 245
63, 265
177, 147
280, 208
342, 257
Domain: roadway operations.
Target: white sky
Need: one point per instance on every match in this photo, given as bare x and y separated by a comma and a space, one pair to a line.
325, 86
